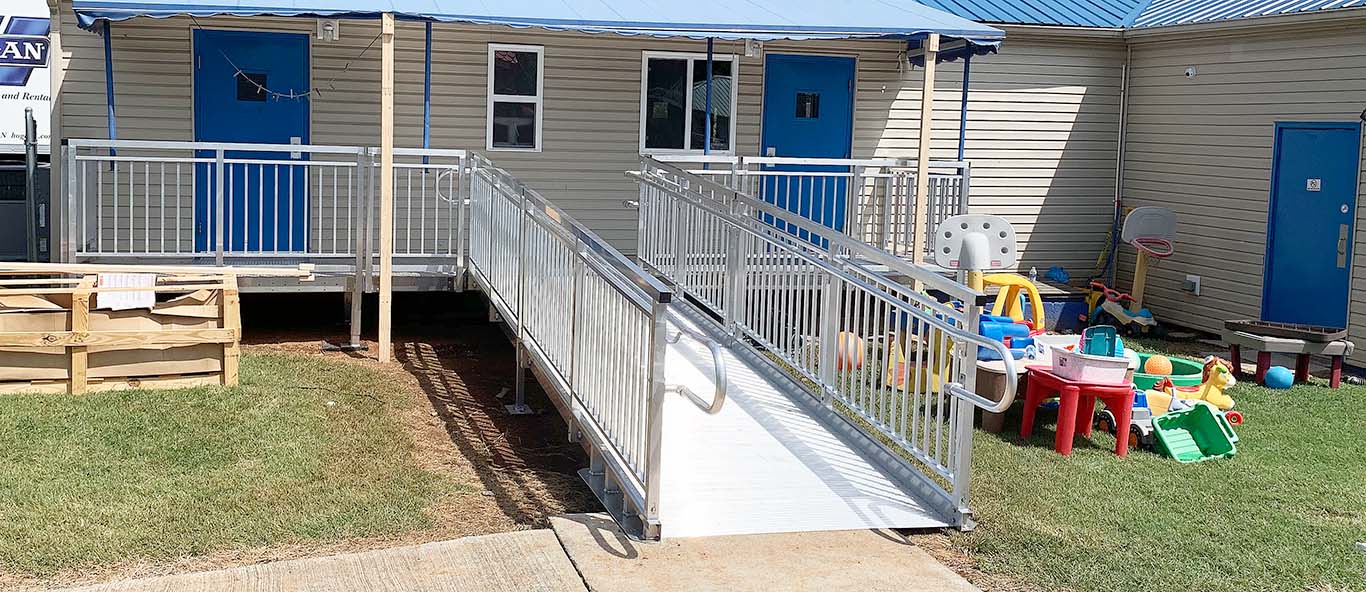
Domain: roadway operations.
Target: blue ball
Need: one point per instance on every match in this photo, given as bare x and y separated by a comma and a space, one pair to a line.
1279, 377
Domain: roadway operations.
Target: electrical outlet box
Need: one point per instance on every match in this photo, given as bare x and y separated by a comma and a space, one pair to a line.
1192, 284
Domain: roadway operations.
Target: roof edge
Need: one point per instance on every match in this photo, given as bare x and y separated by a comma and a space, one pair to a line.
1235, 26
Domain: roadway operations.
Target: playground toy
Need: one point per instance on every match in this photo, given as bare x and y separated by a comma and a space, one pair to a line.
973, 243
1218, 375
918, 375
1018, 336
1184, 372
1140, 423
1073, 396
1301, 348
1195, 434
1158, 364
1105, 305
1014, 289
849, 350
1151, 231
1101, 341
1279, 378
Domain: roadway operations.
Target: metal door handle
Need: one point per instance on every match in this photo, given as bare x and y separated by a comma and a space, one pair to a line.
1342, 246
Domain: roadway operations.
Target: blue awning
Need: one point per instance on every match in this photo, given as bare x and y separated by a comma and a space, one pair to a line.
721, 19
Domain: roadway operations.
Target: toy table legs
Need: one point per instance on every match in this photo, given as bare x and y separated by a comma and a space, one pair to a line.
1068, 401
1123, 409
1076, 405
1301, 349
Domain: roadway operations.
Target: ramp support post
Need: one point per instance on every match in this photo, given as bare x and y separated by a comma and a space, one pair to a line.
519, 406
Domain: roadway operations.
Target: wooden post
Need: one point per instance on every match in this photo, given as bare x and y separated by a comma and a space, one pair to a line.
922, 165
232, 319
386, 185
61, 218
80, 323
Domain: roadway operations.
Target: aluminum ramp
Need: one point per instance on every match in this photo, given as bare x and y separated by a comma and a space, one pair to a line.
769, 460
800, 440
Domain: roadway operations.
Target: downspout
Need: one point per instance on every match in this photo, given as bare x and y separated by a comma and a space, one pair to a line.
427, 95
109, 84
706, 149
963, 109
1120, 140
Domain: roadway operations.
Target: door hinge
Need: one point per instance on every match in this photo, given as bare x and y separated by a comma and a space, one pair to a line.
199, 62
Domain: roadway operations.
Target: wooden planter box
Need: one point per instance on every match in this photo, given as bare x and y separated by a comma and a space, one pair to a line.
55, 337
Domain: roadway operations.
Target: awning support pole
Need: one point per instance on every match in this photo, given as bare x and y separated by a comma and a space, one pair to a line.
922, 166
707, 134
963, 108
109, 84
386, 187
427, 95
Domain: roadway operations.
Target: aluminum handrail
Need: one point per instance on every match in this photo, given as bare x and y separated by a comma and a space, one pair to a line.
181, 145
628, 269
897, 265
742, 161
957, 333
720, 381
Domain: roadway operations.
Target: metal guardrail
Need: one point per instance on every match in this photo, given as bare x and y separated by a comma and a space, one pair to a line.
881, 212
147, 199
592, 319
899, 361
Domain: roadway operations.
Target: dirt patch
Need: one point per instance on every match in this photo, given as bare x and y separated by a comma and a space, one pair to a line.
941, 547
456, 371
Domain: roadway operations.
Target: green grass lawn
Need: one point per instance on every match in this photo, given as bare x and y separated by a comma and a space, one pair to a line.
304, 449
1285, 514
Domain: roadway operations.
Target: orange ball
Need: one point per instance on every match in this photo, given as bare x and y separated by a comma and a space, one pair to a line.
1160, 365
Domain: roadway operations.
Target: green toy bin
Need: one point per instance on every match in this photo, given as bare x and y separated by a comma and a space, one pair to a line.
1194, 435
1184, 373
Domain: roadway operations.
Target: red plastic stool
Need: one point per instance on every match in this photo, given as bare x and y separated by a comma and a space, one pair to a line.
1077, 404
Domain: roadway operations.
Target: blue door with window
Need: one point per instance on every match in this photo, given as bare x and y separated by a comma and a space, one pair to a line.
808, 113
243, 87
1310, 223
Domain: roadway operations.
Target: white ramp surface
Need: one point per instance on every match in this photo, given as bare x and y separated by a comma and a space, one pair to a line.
763, 464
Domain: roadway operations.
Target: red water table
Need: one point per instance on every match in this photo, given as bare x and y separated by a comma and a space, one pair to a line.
1077, 404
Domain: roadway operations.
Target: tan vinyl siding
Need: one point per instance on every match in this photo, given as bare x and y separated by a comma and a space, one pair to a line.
1043, 123
1042, 126
1203, 147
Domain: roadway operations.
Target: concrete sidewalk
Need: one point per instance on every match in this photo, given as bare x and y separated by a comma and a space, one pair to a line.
529, 560
846, 561
587, 552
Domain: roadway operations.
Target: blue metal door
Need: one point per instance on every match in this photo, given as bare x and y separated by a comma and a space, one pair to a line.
808, 113
1310, 223
240, 77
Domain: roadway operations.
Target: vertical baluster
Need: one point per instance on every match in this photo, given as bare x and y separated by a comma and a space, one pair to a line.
99, 208
178, 201
275, 212
289, 213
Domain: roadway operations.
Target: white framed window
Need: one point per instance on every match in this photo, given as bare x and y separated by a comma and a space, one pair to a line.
515, 97
673, 96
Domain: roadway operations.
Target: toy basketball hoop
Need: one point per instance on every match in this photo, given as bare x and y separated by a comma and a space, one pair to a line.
1151, 230
1157, 247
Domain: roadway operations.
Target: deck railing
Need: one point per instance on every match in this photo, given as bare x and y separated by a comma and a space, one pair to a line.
591, 319
132, 198
872, 200
898, 361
